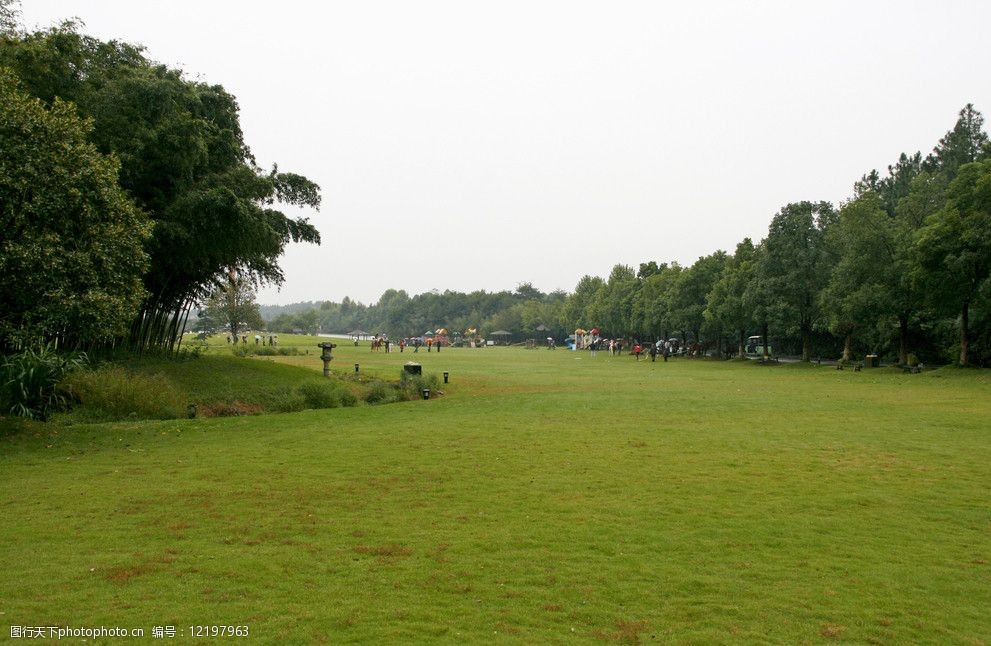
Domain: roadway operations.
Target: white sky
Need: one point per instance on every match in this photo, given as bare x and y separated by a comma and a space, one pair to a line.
466, 145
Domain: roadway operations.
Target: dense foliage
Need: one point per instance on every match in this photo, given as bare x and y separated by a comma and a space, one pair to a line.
127, 195
182, 160
71, 241
900, 270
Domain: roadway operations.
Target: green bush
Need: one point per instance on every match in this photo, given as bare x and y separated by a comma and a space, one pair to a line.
112, 393
381, 393
284, 399
264, 351
29, 381
412, 385
327, 394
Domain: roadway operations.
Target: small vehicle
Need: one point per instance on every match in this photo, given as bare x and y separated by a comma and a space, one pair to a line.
755, 347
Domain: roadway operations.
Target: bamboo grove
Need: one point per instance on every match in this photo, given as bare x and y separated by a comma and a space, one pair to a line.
177, 201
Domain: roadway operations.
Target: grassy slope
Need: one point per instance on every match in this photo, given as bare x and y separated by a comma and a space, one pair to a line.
547, 496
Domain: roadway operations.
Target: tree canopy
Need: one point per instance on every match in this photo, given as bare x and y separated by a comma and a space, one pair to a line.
182, 159
71, 240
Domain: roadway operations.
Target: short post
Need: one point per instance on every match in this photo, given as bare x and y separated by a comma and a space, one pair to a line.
426, 393
446, 373
326, 347
356, 367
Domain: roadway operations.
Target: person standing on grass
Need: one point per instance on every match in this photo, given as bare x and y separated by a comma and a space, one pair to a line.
637, 350
653, 353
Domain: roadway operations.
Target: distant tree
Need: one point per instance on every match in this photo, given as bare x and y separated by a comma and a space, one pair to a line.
233, 305
795, 266
654, 302
575, 312
965, 143
864, 243
690, 292
71, 241
954, 248
612, 306
392, 312
648, 269
526, 292
725, 303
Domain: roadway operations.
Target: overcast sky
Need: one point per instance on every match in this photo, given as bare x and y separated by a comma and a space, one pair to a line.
467, 145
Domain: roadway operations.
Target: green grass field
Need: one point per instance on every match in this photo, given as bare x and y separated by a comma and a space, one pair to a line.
546, 497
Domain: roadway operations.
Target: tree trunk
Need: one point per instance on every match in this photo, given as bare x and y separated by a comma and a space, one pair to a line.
763, 330
964, 333
743, 350
903, 340
847, 342
806, 344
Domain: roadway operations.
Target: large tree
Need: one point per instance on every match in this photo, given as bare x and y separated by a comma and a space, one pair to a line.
184, 161
612, 307
954, 248
71, 241
575, 312
653, 304
795, 266
965, 143
690, 292
725, 303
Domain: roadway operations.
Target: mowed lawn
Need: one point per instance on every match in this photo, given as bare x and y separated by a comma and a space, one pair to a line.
546, 497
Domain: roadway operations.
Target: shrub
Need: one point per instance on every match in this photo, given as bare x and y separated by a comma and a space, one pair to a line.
412, 385
264, 351
284, 399
112, 393
321, 395
381, 393
29, 381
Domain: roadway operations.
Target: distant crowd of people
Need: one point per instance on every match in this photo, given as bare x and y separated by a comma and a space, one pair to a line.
382, 342
273, 339
664, 349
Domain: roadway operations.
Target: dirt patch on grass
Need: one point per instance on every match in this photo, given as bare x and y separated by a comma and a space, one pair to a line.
831, 631
235, 408
121, 574
388, 551
626, 632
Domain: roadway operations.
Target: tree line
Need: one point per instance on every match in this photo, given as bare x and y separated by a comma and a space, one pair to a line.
127, 194
899, 269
